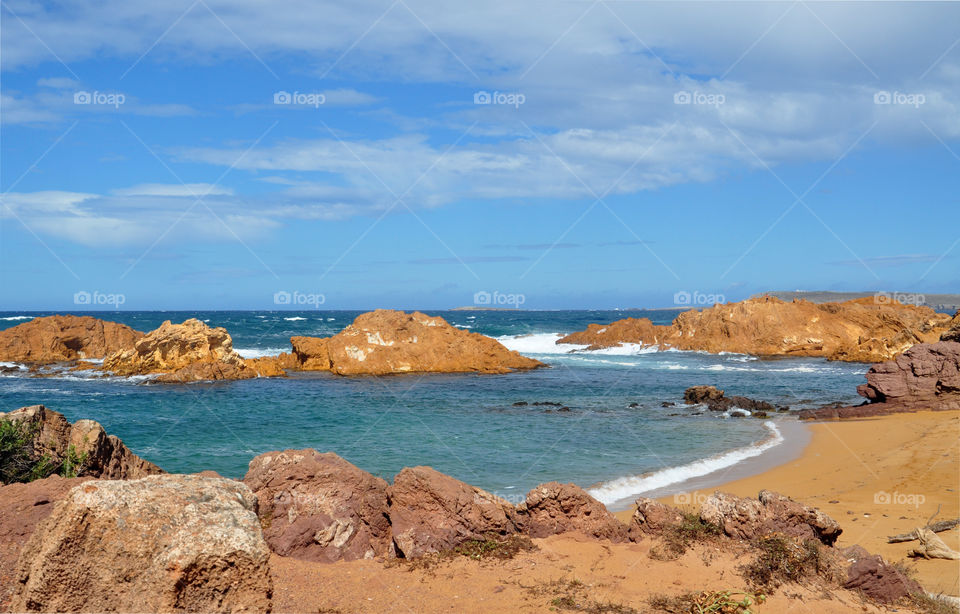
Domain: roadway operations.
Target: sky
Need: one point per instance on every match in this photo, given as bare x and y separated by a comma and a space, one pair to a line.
205, 154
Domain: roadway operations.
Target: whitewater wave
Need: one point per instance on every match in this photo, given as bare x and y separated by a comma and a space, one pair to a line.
259, 352
537, 343
632, 486
11, 318
294, 319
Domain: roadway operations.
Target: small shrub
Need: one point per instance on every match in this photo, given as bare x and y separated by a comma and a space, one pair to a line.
716, 602
929, 604
73, 462
18, 461
783, 560
677, 538
496, 548
573, 596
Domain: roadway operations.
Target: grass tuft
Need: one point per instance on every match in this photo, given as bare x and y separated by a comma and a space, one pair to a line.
708, 602
677, 538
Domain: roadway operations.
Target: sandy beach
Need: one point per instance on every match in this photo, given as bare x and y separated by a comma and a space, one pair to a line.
878, 477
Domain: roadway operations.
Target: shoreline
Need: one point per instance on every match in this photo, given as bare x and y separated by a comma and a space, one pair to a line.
877, 477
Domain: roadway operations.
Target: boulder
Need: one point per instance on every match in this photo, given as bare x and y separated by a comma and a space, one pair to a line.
716, 401
859, 330
953, 332
22, 507
433, 512
96, 453
875, 578
191, 351
386, 342
64, 338
554, 508
319, 507
925, 377
159, 544
651, 517
771, 512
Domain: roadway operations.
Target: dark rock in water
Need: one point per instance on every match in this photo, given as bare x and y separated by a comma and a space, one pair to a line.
550, 403
520, 404
668, 404
715, 400
8, 369
872, 575
925, 377
633, 405
759, 414
564, 409
783, 408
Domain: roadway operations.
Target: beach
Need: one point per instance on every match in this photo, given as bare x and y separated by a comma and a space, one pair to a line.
877, 477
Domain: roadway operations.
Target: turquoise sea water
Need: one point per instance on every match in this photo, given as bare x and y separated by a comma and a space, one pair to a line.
463, 425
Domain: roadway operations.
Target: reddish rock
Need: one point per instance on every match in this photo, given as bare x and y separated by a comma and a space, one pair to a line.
319, 507
554, 508
860, 330
771, 512
64, 338
103, 456
925, 377
433, 512
186, 352
159, 544
22, 507
651, 517
952, 333
384, 342
882, 582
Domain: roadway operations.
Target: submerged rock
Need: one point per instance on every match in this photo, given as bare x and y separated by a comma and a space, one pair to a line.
433, 512
859, 330
84, 444
158, 544
744, 518
554, 508
319, 507
386, 342
716, 401
64, 338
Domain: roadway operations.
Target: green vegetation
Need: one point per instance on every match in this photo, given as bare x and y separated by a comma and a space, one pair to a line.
782, 559
496, 548
717, 602
19, 461
677, 538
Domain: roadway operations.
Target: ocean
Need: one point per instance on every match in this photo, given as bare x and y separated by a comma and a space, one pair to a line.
600, 423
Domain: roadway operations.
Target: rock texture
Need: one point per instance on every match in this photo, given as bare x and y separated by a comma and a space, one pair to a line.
64, 338
715, 400
159, 544
952, 333
104, 456
882, 582
925, 377
22, 507
771, 512
554, 508
186, 352
433, 512
386, 342
319, 507
651, 517
860, 330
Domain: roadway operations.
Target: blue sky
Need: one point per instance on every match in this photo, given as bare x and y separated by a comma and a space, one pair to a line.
635, 150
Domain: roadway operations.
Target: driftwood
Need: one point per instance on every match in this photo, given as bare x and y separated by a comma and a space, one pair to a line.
932, 547
937, 527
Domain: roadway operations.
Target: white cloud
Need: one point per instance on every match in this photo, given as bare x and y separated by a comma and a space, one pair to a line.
195, 190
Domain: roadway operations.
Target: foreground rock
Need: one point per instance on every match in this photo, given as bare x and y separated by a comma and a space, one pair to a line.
186, 352
159, 544
874, 577
22, 507
319, 507
925, 377
743, 518
64, 338
860, 330
386, 342
433, 512
715, 400
554, 508
83, 445
651, 517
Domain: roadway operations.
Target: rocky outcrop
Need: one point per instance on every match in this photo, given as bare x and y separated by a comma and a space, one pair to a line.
319, 507
554, 508
874, 577
651, 517
771, 512
384, 342
186, 352
158, 544
22, 507
925, 377
952, 333
84, 443
715, 400
433, 512
64, 338
860, 330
